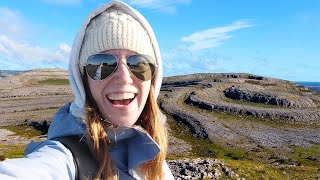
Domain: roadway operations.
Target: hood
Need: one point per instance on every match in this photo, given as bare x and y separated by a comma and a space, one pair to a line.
75, 70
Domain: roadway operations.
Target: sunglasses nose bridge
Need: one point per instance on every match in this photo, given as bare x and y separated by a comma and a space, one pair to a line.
123, 72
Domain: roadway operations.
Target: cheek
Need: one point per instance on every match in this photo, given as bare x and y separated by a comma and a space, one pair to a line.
91, 88
145, 88
95, 89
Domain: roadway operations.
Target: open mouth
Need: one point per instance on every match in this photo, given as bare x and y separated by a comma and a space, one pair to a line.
121, 99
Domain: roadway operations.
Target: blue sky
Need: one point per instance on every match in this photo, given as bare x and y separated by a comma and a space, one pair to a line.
279, 39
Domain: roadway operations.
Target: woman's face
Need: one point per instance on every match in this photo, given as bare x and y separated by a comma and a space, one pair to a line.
120, 97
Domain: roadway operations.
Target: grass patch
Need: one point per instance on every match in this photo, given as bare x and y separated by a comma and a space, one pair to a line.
268, 122
309, 156
276, 123
203, 147
54, 81
11, 151
23, 131
257, 170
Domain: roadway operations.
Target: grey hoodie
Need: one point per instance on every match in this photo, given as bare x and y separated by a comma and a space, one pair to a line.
51, 160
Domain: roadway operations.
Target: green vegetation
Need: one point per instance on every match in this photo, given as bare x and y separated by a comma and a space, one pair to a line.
309, 156
53, 81
16, 150
11, 151
265, 121
258, 170
22, 131
202, 147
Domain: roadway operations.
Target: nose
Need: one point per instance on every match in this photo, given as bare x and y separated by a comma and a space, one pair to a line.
122, 73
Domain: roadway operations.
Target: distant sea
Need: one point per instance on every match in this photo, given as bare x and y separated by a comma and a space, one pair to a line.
315, 86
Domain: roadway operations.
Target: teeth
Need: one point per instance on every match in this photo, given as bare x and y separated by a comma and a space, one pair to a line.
116, 96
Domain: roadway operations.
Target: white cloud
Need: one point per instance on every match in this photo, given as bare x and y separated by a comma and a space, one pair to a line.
10, 22
213, 37
63, 2
167, 6
22, 53
17, 52
65, 48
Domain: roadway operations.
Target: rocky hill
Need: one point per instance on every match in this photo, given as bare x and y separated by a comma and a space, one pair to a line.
226, 116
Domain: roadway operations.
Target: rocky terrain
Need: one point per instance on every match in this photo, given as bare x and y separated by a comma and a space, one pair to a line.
31, 98
265, 119
272, 114
201, 169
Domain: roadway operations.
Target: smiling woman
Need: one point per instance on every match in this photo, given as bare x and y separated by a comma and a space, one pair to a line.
115, 72
121, 96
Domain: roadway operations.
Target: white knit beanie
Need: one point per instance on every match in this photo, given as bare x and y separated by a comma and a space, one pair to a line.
114, 29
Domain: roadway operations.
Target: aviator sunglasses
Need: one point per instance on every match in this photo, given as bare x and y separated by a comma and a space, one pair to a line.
102, 65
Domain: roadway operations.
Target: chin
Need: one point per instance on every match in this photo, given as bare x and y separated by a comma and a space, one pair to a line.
123, 122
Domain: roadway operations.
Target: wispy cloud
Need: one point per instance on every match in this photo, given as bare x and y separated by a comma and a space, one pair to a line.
180, 61
166, 6
11, 22
214, 37
17, 50
22, 53
63, 2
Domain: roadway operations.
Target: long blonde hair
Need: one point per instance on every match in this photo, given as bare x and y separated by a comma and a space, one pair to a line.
98, 140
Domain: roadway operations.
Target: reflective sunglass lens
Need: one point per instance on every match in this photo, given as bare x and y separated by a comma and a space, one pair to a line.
100, 66
91, 70
141, 66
